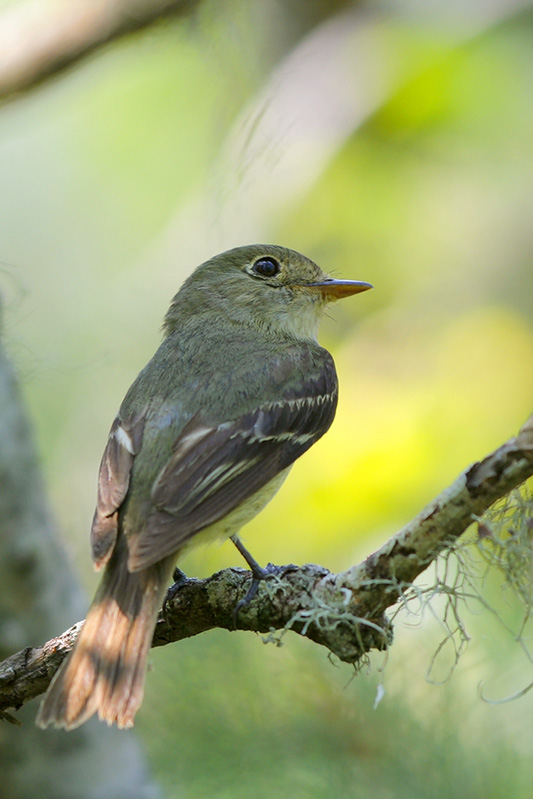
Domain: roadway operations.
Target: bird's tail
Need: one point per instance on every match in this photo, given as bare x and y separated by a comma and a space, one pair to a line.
105, 671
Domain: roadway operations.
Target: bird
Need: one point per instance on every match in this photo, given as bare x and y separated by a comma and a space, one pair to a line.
237, 391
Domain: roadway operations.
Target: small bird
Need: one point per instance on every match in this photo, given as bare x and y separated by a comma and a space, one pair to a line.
238, 389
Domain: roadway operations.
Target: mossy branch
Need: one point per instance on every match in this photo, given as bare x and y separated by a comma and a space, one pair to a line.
343, 612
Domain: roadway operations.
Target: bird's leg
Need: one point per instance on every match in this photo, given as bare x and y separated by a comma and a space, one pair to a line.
258, 573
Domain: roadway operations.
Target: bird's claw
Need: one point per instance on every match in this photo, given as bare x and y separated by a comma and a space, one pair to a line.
258, 576
180, 578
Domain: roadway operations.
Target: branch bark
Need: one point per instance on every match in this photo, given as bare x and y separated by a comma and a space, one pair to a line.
343, 612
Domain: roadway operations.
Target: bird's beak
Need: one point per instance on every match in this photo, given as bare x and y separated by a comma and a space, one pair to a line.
337, 289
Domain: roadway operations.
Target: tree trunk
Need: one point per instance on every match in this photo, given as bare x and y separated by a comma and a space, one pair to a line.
39, 596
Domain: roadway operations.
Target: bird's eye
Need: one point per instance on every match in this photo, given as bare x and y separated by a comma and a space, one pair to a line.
266, 267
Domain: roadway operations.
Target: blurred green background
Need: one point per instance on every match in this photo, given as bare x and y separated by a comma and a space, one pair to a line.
391, 143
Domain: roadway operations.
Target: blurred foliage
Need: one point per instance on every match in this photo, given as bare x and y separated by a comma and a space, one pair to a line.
428, 198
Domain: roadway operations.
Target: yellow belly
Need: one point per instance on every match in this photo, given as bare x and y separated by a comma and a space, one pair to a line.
234, 521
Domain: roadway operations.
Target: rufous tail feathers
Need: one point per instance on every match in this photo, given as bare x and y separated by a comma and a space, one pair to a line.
105, 671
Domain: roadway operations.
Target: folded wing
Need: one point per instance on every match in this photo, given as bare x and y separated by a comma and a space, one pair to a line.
214, 468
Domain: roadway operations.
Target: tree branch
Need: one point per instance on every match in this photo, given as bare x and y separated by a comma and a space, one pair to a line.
343, 612
39, 39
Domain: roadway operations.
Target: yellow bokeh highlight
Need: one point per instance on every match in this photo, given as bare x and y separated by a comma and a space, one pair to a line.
412, 414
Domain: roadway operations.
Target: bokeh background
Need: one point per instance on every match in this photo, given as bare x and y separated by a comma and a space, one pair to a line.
391, 142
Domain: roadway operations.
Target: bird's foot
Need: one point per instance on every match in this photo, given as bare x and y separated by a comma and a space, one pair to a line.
180, 578
259, 574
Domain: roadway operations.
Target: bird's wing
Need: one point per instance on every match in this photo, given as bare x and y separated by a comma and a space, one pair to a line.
214, 468
124, 442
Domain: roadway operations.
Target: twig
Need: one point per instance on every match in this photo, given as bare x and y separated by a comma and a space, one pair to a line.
39, 39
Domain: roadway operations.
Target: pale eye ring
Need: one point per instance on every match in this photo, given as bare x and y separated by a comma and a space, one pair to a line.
266, 267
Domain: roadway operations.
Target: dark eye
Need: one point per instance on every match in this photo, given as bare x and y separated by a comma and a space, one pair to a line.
266, 267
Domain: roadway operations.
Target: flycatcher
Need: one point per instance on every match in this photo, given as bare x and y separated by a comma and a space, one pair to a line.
238, 389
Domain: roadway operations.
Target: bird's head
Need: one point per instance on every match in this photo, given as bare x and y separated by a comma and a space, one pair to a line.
269, 287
